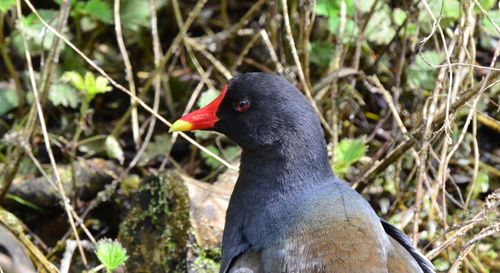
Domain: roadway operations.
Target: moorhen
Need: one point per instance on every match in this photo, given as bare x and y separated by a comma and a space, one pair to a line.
288, 211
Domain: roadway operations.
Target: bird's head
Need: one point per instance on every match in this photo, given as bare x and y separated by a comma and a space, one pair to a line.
255, 110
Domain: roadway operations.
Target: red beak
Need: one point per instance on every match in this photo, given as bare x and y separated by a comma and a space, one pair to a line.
203, 118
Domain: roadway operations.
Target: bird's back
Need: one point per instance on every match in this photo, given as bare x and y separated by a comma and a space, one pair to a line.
338, 232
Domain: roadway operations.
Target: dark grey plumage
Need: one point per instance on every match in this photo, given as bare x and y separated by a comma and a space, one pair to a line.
288, 211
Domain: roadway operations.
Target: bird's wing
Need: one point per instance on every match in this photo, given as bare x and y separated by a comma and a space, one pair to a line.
234, 245
337, 231
404, 256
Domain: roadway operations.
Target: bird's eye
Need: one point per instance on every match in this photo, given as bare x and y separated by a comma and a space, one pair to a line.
242, 105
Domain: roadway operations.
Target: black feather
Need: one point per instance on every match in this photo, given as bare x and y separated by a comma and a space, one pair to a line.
402, 239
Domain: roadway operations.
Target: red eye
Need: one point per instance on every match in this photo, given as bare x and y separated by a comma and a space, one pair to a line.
242, 105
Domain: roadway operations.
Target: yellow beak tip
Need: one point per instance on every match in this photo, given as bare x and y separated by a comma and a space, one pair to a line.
180, 126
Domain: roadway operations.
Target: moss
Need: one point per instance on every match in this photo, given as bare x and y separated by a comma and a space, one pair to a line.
203, 264
155, 232
205, 260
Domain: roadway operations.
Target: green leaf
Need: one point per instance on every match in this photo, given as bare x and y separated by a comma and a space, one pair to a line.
481, 184
210, 161
101, 85
422, 75
379, 29
89, 82
39, 38
89, 85
202, 134
321, 53
450, 9
350, 32
348, 151
100, 10
363, 6
8, 100
488, 27
449, 15
6, 5
231, 153
159, 147
486, 4
399, 16
88, 24
24, 202
95, 86
75, 79
441, 264
207, 97
324, 8
331, 8
71, 2
62, 94
136, 13
111, 254
113, 149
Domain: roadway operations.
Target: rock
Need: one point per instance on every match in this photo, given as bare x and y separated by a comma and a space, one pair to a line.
155, 231
208, 204
91, 177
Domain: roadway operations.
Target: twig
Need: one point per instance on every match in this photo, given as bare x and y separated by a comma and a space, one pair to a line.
248, 46
175, 43
128, 71
123, 89
492, 202
216, 63
308, 15
485, 232
232, 31
14, 225
272, 52
164, 60
49, 67
157, 84
38, 165
415, 134
302, 77
41, 118
471, 112
68, 253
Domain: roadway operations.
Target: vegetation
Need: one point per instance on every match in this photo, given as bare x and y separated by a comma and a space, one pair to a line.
407, 92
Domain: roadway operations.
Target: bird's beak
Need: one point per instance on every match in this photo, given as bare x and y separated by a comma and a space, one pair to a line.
203, 118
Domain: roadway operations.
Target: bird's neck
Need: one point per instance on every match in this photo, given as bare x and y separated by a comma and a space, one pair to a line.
286, 167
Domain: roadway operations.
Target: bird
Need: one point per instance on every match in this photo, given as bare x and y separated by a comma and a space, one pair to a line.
288, 211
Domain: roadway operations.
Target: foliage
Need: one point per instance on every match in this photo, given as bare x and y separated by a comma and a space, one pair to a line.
37, 37
348, 152
113, 149
321, 53
90, 85
8, 100
111, 254
65, 95
5, 5
421, 74
160, 146
396, 42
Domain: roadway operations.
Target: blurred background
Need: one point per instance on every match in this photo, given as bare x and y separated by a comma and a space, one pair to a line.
408, 92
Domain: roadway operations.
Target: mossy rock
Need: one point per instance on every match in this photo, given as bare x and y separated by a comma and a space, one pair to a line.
155, 231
